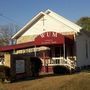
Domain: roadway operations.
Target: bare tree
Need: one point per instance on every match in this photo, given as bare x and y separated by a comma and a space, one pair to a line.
6, 32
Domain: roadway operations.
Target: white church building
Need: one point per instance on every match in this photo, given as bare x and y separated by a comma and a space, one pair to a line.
53, 39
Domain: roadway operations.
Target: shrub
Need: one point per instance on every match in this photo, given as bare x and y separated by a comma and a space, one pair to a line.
61, 70
4, 72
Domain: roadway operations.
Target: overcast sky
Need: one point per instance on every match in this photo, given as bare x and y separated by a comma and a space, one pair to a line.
21, 11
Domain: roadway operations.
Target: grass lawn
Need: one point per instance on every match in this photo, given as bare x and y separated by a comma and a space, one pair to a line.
80, 81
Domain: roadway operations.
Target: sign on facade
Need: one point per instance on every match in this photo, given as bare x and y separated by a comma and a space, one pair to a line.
49, 38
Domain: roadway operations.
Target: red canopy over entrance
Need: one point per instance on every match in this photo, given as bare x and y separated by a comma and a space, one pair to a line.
49, 38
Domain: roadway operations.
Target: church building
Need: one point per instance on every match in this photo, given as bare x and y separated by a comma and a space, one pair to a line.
52, 38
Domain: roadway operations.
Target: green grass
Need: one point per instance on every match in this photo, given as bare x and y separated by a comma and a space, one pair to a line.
80, 81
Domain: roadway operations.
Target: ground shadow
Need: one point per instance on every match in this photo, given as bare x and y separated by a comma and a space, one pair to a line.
39, 77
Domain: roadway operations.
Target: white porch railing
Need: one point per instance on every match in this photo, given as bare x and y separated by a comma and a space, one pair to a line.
62, 61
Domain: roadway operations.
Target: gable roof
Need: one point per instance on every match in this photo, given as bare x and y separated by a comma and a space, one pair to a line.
63, 20
28, 25
41, 14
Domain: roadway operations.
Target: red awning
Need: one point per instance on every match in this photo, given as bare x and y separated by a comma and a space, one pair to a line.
49, 38
17, 46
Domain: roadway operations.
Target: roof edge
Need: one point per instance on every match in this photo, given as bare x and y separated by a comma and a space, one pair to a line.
25, 26
50, 11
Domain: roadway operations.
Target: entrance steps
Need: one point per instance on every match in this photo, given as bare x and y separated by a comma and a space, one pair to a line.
70, 64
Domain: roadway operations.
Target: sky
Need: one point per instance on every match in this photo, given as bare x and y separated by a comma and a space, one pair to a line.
21, 11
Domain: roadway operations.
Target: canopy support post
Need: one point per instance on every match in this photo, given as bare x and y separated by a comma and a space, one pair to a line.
64, 50
35, 53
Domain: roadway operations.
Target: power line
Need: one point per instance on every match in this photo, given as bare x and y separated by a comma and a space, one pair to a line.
13, 22
8, 18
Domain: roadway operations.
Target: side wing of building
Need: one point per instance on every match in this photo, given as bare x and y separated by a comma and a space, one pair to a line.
83, 49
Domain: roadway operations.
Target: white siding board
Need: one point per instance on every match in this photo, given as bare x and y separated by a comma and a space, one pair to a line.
64, 20
50, 24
